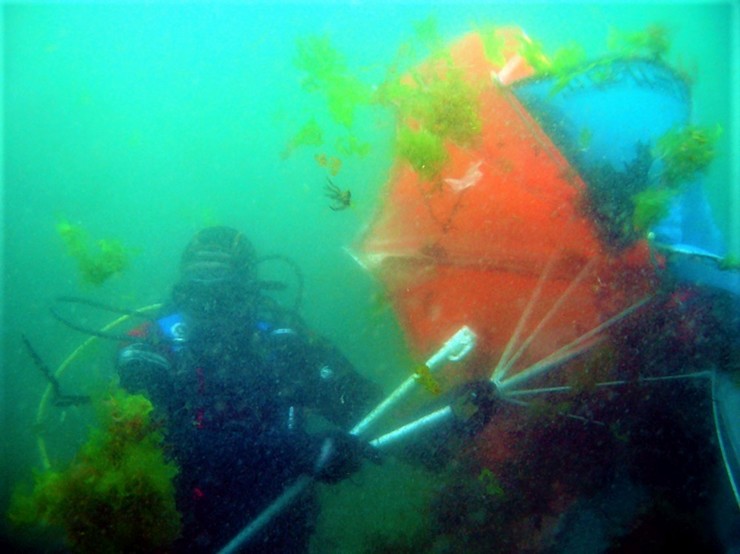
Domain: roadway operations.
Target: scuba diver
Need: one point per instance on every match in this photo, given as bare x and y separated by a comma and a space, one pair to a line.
234, 377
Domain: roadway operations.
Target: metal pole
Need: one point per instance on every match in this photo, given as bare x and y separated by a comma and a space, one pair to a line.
455, 349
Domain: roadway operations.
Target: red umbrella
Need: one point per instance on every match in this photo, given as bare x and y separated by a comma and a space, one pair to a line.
497, 239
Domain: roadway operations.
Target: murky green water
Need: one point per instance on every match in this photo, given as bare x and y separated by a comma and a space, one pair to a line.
144, 123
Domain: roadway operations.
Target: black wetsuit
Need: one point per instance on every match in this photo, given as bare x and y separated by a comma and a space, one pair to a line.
233, 399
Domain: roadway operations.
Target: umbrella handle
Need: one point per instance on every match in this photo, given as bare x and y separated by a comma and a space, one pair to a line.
304, 482
455, 349
279, 504
435, 418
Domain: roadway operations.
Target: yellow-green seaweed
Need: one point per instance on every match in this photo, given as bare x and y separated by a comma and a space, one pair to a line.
308, 135
327, 73
730, 262
685, 151
437, 101
449, 107
493, 44
567, 58
534, 54
427, 32
117, 495
424, 150
650, 206
653, 41
96, 263
350, 145
444, 106
567, 63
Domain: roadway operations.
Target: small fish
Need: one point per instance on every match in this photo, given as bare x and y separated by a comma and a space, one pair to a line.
471, 177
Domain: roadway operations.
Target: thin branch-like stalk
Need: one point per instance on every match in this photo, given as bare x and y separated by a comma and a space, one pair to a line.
556, 359
622, 382
502, 366
571, 416
569, 351
551, 312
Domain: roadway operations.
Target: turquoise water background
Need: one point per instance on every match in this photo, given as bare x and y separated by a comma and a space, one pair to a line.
147, 122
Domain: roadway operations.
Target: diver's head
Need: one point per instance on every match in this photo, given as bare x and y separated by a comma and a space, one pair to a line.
217, 274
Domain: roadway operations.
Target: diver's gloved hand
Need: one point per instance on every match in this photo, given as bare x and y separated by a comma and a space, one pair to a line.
473, 405
341, 456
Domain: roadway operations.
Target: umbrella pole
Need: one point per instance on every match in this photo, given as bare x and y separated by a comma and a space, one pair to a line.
621, 382
442, 414
508, 364
569, 351
724, 403
558, 358
429, 420
454, 350
503, 364
283, 501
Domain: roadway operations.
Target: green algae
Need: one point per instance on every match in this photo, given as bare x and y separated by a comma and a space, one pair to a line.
534, 54
432, 105
570, 61
439, 106
423, 149
653, 42
350, 145
326, 72
567, 63
426, 32
435, 104
567, 58
650, 206
308, 135
448, 106
493, 44
686, 151
610, 196
97, 262
117, 495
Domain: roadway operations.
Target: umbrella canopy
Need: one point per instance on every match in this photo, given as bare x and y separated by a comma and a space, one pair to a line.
498, 238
